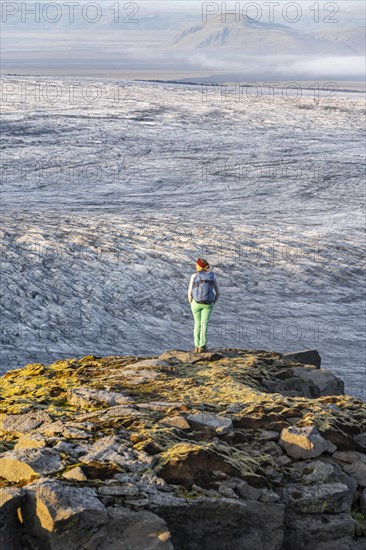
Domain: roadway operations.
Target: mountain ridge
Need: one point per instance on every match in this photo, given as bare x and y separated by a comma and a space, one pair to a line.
257, 38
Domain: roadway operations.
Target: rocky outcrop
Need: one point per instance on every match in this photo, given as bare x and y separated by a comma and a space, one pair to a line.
59, 516
20, 424
215, 523
11, 499
227, 449
213, 422
26, 464
307, 356
320, 532
304, 442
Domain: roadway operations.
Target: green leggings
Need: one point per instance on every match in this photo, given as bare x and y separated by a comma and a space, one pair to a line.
201, 314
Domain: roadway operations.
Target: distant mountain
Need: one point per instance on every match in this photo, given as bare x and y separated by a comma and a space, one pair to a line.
252, 37
353, 38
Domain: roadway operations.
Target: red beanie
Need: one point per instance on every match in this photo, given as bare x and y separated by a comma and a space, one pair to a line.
202, 263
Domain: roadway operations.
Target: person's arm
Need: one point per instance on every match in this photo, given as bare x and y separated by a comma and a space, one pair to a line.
190, 296
217, 288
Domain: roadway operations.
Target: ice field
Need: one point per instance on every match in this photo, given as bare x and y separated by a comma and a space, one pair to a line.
111, 190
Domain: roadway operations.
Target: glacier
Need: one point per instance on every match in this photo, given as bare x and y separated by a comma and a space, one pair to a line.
111, 190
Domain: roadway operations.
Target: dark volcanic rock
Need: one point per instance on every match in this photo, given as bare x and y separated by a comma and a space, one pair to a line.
227, 450
333, 498
319, 531
60, 516
307, 356
212, 524
10, 527
189, 463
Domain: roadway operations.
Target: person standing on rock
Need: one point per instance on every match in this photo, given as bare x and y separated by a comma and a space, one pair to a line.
203, 293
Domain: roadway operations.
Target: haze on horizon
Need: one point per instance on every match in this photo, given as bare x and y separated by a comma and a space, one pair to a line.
139, 39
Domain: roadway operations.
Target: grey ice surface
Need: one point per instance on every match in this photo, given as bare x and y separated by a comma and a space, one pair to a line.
111, 190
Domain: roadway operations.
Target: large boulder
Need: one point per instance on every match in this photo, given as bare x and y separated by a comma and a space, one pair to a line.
19, 424
130, 530
10, 527
246, 491
357, 470
354, 464
72, 430
105, 449
89, 397
333, 498
319, 532
324, 381
304, 442
34, 441
314, 471
349, 457
306, 356
23, 465
188, 464
214, 524
60, 516
214, 422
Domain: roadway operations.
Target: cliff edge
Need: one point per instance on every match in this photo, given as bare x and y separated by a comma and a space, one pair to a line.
232, 449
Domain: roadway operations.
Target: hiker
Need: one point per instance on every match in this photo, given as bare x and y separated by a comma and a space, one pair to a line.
203, 293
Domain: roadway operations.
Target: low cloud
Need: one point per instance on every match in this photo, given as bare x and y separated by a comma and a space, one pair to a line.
140, 52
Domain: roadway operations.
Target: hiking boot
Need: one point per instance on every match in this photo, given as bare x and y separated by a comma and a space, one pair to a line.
202, 349
196, 350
